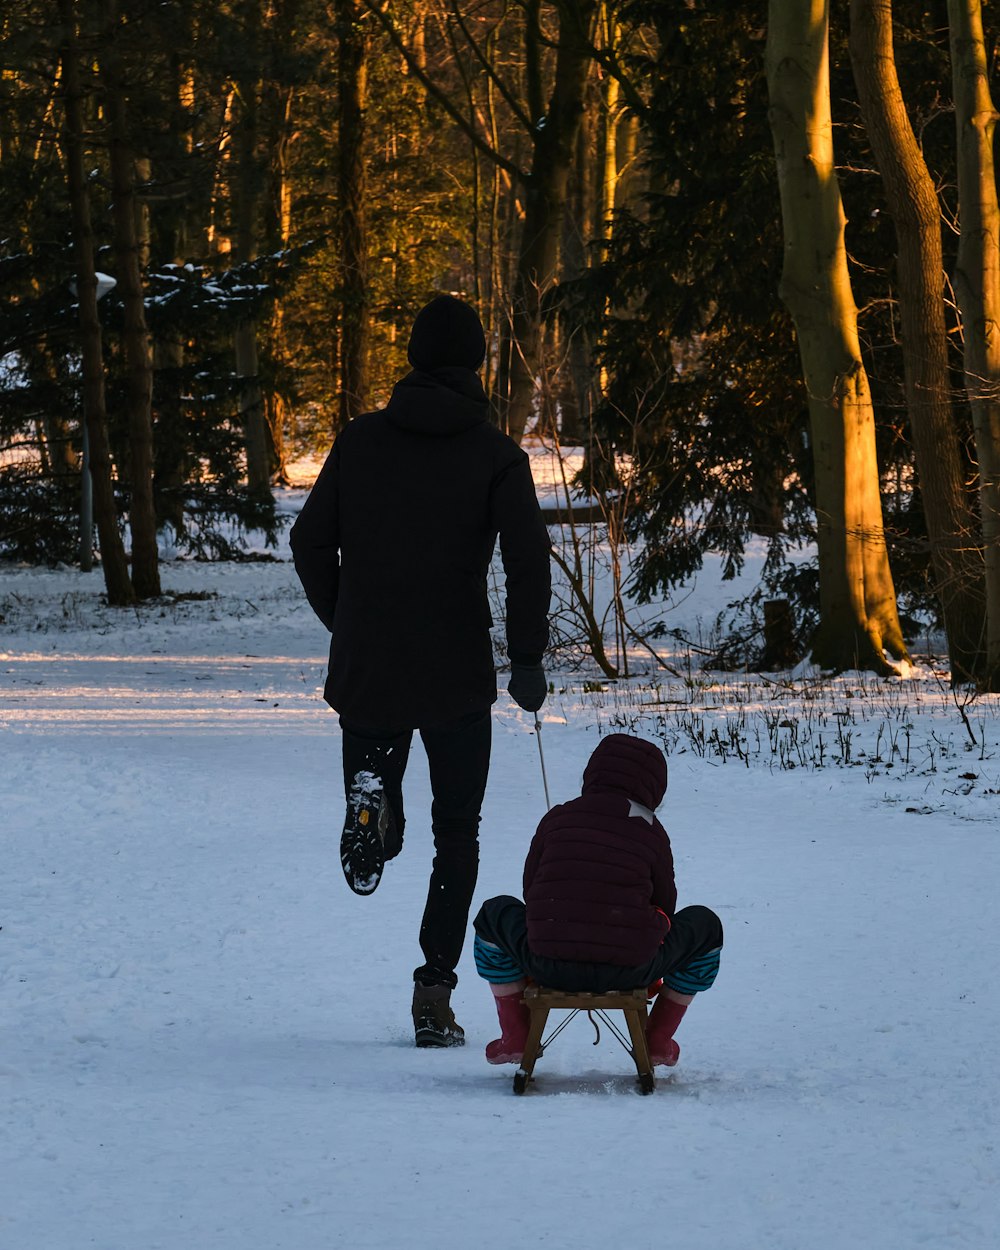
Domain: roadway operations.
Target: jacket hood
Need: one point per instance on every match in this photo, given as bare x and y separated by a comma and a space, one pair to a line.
630, 766
440, 402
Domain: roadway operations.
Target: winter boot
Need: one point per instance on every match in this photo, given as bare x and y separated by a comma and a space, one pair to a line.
433, 1019
514, 1021
366, 831
660, 1028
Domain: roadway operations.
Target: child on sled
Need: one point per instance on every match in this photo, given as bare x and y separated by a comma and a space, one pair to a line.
599, 910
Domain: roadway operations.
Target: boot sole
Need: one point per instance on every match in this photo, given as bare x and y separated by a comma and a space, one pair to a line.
430, 1039
361, 858
499, 1060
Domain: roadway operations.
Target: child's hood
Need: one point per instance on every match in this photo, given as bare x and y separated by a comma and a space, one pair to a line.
630, 766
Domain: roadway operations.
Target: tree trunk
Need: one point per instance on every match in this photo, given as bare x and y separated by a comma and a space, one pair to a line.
977, 284
779, 636
956, 563
251, 405
277, 234
249, 177
171, 467
629, 182
116, 575
575, 371
610, 116
55, 441
554, 139
136, 342
858, 617
351, 185
170, 228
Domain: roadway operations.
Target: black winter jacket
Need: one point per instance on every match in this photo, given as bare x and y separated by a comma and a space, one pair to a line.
394, 544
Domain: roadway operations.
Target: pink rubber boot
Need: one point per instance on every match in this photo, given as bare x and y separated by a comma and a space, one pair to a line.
514, 1021
660, 1029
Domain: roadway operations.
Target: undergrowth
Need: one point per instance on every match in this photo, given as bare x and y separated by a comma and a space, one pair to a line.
918, 726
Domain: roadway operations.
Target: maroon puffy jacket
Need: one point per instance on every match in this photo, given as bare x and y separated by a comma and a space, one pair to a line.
599, 877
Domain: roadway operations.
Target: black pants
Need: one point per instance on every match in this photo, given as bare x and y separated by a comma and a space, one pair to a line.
694, 933
459, 759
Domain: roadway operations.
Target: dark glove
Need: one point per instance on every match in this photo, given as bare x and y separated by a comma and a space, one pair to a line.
527, 686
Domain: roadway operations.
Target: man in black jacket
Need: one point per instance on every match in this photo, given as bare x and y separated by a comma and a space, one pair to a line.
392, 548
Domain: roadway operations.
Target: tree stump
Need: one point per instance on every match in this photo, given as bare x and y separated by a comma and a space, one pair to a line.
780, 650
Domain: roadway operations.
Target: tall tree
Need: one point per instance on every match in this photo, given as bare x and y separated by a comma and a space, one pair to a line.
858, 616
135, 336
550, 120
555, 125
700, 379
952, 526
172, 227
352, 88
113, 561
977, 285
249, 179
279, 104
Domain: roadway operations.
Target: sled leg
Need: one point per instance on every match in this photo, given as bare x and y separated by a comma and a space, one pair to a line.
532, 1048
635, 1018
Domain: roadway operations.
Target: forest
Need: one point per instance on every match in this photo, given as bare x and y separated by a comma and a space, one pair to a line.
746, 257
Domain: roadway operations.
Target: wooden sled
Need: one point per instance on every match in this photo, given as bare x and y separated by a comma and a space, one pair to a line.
540, 1001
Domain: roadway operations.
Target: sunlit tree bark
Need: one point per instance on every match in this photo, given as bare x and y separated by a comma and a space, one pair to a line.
951, 525
351, 186
858, 616
277, 233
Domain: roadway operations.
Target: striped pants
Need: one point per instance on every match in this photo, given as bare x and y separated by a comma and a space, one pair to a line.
687, 960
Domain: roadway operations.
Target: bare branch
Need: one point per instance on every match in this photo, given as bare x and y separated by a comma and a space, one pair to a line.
380, 9
608, 60
512, 102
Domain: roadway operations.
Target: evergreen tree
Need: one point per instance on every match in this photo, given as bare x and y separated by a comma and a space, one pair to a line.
702, 394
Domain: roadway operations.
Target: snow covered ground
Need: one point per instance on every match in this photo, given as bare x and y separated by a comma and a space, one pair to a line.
205, 1040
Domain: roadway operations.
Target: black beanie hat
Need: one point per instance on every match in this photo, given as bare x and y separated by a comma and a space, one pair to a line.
447, 331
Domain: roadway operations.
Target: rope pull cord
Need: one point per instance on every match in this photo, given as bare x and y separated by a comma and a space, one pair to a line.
597, 1031
541, 760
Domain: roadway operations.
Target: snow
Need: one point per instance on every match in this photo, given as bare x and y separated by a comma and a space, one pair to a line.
13, 374
206, 1040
